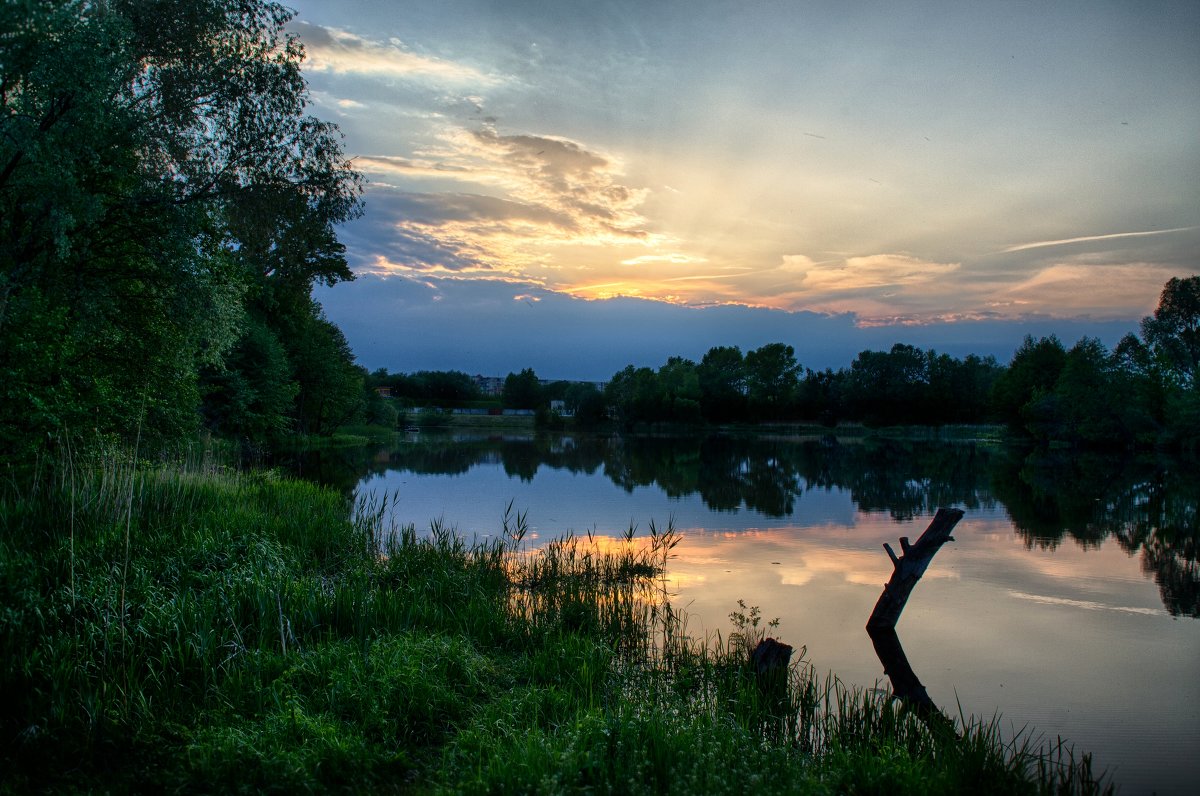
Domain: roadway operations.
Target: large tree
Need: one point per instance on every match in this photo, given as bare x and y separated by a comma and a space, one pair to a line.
772, 380
1032, 373
159, 176
522, 390
1173, 332
1172, 337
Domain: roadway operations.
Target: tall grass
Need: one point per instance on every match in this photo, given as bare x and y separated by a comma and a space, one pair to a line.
187, 627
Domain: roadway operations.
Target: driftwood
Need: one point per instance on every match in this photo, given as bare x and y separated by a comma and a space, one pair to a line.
881, 627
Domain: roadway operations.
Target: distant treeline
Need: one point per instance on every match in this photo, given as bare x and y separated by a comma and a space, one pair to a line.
1144, 392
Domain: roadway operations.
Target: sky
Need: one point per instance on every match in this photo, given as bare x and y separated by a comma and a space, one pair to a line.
579, 186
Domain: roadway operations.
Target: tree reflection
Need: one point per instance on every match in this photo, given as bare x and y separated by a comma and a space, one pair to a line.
1148, 506
729, 473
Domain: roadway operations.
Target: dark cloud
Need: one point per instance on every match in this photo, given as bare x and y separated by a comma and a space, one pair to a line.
482, 327
439, 208
417, 230
313, 36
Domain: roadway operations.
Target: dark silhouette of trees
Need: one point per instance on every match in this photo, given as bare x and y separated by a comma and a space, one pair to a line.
440, 388
722, 379
1173, 332
1031, 374
1172, 336
586, 403
331, 386
679, 384
522, 390
669, 395
251, 397
890, 387
772, 381
636, 396
1144, 392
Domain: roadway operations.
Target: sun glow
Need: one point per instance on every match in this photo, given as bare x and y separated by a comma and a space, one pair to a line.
732, 197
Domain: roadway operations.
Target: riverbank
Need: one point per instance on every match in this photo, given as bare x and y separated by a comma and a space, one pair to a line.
191, 628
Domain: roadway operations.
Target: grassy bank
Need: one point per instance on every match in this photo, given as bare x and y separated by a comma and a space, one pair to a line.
190, 628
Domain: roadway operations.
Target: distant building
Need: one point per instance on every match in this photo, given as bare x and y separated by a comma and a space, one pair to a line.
383, 392
489, 385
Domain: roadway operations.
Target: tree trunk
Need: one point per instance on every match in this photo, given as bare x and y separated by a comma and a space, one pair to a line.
881, 626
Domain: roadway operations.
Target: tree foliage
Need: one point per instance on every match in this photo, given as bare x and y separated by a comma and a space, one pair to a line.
166, 205
772, 378
722, 378
522, 390
437, 388
1173, 332
1143, 392
1033, 372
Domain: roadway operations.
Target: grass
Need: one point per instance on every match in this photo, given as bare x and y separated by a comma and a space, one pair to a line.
345, 437
185, 627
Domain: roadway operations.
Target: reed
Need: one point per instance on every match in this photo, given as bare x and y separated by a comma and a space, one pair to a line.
184, 626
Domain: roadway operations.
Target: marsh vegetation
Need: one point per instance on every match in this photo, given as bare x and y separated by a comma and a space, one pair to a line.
185, 626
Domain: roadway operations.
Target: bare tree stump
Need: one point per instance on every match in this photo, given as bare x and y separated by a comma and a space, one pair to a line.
907, 570
770, 660
910, 566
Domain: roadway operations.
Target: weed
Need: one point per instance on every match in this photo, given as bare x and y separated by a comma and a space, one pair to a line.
186, 627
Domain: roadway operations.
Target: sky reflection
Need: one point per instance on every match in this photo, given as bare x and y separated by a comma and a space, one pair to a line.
1052, 619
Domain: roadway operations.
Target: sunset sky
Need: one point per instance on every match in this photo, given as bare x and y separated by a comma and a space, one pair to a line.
578, 186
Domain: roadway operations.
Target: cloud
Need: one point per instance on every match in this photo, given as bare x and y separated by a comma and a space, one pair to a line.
394, 166
797, 264
1082, 289
1089, 238
873, 271
581, 188
388, 320
531, 207
555, 173
673, 258
338, 51
448, 233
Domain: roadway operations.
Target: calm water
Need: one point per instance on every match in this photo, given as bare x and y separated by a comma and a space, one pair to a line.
1067, 603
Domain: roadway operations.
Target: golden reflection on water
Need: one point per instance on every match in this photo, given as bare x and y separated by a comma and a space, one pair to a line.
1049, 608
1056, 639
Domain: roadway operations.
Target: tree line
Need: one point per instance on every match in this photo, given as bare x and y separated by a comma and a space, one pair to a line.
166, 206
1145, 503
1146, 391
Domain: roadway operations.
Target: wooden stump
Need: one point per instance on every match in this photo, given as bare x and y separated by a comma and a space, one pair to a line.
770, 660
907, 569
910, 566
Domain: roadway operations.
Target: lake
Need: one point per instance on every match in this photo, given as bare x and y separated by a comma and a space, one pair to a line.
1067, 603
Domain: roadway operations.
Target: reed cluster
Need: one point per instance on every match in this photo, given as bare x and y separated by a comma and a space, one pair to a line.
188, 627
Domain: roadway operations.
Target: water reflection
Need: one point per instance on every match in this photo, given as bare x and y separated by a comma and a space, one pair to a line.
1146, 505
1149, 506
1048, 609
